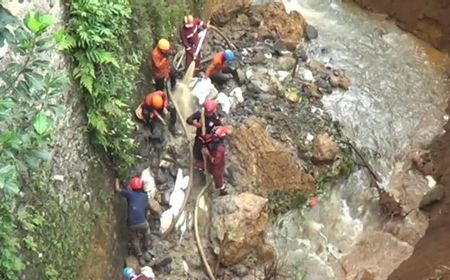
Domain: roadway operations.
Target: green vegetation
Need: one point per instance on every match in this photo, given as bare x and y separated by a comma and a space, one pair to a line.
162, 20
29, 105
105, 67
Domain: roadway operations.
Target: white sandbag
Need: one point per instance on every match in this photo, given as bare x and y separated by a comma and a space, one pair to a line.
149, 182
181, 220
176, 200
224, 102
185, 183
179, 177
166, 220
202, 88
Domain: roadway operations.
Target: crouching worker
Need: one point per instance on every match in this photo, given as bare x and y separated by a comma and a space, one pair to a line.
212, 120
214, 151
155, 108
220, 71
137, 201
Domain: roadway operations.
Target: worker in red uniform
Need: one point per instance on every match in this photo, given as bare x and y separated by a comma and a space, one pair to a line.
160, 65
212, 120
219, 71
155, 107
215, 154
189, 38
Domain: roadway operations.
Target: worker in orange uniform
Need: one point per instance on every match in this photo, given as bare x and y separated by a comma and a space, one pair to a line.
154, 108
219, 71
215, 150
190, 40
160, 65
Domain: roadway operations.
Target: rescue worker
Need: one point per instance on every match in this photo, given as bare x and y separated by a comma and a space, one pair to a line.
189, 38
138, 206
156, 107
214, 150
160, 65
212, 120
219, 71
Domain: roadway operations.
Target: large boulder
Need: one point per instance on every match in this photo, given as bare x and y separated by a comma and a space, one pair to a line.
325, 150
239, 223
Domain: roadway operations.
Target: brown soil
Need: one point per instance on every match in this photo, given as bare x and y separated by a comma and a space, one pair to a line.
428, 19
432, 254
264, 165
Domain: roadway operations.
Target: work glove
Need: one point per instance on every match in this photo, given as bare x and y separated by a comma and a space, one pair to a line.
197, 124
165, 111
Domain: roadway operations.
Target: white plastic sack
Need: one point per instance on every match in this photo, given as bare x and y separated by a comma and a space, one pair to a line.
166, 220
149, 182
202, 88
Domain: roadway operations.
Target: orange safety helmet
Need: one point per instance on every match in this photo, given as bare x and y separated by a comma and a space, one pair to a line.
155, 100
189, 21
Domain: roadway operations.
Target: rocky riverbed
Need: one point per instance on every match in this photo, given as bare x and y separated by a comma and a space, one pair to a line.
283, 146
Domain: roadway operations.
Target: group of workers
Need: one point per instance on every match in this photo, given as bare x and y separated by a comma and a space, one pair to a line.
210, 132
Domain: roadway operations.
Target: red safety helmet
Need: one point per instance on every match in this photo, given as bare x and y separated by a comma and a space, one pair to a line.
210, 106
220, 131
136, 184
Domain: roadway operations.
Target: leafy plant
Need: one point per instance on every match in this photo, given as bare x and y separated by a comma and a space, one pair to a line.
105, 68
29, 105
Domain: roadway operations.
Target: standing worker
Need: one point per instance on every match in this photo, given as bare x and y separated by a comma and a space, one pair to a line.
160, 65
137, 201
215, 154
219, 71
212, 120
156, 107
190, 40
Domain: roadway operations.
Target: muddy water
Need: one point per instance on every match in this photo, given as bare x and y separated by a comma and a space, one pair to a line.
394, 106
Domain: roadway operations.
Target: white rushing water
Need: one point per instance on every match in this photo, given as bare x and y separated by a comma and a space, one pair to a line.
394, 106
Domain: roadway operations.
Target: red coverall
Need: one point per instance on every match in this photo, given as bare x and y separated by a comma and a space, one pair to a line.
215, 153
190, 40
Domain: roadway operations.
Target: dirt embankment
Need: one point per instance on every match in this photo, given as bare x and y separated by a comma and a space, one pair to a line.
428, 19
431, 257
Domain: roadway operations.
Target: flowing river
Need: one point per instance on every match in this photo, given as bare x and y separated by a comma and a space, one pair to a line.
394, 107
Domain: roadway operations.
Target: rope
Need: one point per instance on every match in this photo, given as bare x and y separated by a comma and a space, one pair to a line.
197, 235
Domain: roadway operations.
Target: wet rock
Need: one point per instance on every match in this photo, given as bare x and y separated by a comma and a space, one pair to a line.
317, 67
279, 47
161, 176
334, 81
240, 270
259, 58
433, 196
293, 95
261, 86
313, 90
242, 221
306, 75
344, 82
301, 53
255, 20
322, 83
286, 63
324, 150
240, 75
311, 32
